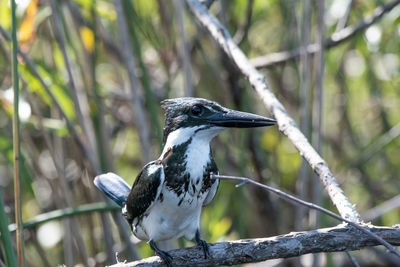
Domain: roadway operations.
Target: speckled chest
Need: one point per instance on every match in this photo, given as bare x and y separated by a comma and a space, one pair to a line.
187, 171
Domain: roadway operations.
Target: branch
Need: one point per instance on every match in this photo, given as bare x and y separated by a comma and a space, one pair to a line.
64, 213
286, 124
335, 39
339, 238
296, 200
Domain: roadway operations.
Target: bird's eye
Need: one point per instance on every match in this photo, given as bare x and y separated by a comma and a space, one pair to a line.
197, 110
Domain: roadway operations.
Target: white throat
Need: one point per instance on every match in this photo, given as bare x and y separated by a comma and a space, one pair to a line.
200, 137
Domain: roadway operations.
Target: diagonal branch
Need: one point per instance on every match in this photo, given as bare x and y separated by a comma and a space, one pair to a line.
286, 124
335, 39
339, 238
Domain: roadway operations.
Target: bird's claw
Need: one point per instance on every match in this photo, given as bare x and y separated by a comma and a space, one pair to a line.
166, 257
203, 244
206, 248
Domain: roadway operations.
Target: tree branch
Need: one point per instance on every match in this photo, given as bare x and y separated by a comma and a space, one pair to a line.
286, 124
335, 39
244, 180
339, 238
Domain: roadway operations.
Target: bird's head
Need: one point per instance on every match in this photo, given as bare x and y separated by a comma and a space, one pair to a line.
190, 116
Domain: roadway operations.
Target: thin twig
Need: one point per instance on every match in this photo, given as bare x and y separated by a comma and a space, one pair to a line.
335, 39
244, 180
286, 124
65, 213
352, 259
335, 239
16, 139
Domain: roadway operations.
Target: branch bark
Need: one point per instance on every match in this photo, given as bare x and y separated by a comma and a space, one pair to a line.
286, 124
336, 38
339, 238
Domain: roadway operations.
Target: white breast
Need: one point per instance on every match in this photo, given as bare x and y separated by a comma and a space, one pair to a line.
171, 217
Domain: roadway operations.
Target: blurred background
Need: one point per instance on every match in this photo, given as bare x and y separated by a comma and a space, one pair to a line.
92, 76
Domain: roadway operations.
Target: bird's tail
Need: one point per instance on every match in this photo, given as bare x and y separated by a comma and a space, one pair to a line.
113, 186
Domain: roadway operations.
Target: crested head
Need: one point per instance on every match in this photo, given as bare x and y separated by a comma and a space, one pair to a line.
187, 112
204, 118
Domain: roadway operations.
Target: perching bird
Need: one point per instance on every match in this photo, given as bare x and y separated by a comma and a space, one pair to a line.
167, 197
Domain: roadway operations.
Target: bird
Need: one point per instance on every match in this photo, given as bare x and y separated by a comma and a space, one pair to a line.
167, 197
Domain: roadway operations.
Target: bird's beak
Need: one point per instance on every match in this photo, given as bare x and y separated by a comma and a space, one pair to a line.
238, 119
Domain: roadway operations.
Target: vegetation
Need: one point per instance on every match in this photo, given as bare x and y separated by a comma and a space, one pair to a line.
89, 98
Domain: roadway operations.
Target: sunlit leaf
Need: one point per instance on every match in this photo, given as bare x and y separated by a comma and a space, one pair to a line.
5, 14
221, 227
27, 29
87, 38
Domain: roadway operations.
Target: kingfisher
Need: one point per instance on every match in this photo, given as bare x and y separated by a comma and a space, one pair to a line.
167, 197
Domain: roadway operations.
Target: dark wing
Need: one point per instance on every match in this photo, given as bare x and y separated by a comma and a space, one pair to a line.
145, 190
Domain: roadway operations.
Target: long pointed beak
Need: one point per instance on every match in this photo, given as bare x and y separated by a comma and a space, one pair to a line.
238, 119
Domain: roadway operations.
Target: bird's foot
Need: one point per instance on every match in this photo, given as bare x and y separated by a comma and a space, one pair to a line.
206, 248
118, 259
203, 244
165, 256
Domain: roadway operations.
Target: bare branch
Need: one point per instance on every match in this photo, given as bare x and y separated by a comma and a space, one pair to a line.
352, 259
336, 38
244, 180
340, 238
286, 124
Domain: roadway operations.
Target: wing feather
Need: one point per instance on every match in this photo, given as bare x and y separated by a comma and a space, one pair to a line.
145, 190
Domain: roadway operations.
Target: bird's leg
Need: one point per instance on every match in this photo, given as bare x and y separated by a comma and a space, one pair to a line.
165, 256
203, 243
